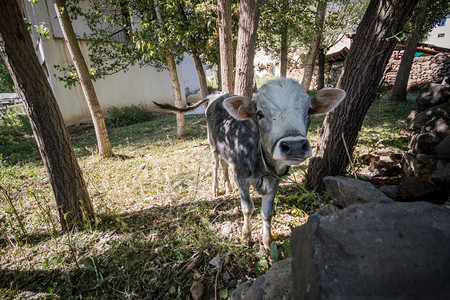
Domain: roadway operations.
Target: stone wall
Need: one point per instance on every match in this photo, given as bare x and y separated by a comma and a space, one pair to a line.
425, 69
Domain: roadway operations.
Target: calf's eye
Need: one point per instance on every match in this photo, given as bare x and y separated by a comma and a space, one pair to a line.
259, 115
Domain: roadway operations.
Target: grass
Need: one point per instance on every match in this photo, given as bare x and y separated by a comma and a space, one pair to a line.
158, 227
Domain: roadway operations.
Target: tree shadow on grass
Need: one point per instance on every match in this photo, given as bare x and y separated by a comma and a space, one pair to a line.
153, 254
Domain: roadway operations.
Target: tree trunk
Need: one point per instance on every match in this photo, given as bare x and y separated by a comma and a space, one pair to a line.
373, 45
226, 45
245, 49
201, 74
172, 66
321, 63
399, 90
284, 43
284, 50
312, 52
181, 125
104, 146
66, 179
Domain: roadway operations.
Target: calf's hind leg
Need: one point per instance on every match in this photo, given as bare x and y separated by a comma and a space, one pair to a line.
215, 165
226, 178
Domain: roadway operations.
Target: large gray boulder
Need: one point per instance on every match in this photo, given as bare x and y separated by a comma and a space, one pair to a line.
346, 191
275, 284
374, 251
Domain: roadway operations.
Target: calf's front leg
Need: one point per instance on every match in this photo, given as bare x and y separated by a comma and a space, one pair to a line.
266, 213
247, 207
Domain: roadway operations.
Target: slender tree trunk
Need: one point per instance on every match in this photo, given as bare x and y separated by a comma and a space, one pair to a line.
284, 43
321, 63
312, 52
226, 45
172, 67
245, 49
66, 179
284, 50
399, 90
382, 20
201, 73
104, 146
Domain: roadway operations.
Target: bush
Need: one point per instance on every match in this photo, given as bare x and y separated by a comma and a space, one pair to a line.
128, 115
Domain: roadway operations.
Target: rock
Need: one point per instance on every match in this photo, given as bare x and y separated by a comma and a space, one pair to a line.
216, 261
374, 251
346, 191
411, 166
369, 159
275, 284
443, 148
239, 292
435, 120
390, 190
441, 177
328, 209
385, 166
431, 95
396, 157
417, 189
423, 143
227, 228
197, 290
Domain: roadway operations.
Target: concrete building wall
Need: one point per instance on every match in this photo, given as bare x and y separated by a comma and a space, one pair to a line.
440, 35
139, 85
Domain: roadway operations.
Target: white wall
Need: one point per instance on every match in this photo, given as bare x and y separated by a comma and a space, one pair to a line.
434, 37
136, 86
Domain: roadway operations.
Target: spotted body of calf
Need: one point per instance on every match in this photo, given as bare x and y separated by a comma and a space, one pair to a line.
261, 138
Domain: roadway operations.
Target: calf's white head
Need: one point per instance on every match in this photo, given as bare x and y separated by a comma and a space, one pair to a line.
282, 110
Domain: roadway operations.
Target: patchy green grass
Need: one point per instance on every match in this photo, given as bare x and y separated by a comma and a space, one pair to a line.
158, 226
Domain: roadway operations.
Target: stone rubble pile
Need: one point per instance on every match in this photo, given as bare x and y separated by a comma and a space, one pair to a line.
426, 164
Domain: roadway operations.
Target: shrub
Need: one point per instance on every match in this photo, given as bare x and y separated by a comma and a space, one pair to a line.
128, 115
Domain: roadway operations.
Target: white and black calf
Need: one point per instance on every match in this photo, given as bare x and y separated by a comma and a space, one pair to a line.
261, 138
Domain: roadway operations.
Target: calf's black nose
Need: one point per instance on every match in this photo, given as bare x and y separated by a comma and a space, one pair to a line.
295, 149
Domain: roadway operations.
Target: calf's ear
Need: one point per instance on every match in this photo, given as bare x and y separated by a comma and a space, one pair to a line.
326, 100
239, 107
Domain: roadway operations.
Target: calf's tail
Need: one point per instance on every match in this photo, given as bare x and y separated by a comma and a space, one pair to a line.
174, 109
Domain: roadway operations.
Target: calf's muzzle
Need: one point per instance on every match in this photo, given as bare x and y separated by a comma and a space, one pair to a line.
292, 150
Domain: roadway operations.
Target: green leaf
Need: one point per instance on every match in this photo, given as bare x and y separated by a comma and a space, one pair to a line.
223, 293
287, 249
274, 253
172, 290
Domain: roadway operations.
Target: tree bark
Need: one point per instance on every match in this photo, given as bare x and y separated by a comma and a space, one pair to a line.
201, 73
226, 46
181, 125
284, 50
321, 63
399, 90
284, 43
373, 45
312, 52
245, 49
104, 146
66, 179
172, 67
